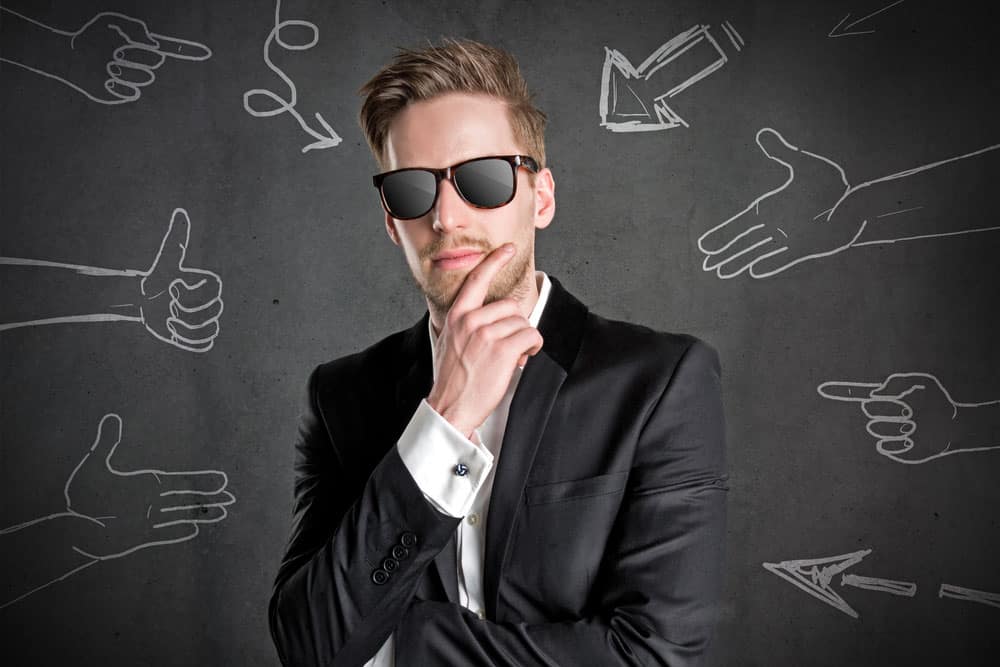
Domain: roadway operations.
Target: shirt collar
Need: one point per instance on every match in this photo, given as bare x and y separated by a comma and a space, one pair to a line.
533, 319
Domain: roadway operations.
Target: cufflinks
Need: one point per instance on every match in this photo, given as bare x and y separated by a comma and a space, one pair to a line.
461, 470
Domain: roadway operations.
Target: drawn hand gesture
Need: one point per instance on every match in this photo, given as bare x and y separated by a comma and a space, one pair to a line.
180, 306
136, 509
792, 223
911, 415
114, 56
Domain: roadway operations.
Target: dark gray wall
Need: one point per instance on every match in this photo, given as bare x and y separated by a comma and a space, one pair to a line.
296, 244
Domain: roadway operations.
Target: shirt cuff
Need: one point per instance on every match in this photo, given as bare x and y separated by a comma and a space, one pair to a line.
431, 448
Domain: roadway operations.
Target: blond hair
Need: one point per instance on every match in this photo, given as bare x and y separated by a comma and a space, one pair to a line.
456, 65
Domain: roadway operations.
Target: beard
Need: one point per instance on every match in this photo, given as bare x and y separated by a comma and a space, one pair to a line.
441, 287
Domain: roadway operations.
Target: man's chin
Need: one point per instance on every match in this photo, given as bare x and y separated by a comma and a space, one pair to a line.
442, 291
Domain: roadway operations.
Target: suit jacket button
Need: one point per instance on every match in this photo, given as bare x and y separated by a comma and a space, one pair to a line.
400, 552
408, 539
390, 564
380, 576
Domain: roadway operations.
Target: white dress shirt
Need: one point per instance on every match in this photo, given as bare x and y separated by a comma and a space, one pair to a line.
430, 447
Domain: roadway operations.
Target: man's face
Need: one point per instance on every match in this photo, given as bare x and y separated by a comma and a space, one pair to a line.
441, 132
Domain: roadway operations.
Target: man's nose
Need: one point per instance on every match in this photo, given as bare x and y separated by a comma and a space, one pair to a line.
450, 211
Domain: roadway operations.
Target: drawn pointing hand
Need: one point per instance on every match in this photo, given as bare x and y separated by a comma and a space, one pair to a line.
911, 415
137, 509
180, 306
113, 56
792, 223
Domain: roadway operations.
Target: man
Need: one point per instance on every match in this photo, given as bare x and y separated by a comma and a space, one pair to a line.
513, 480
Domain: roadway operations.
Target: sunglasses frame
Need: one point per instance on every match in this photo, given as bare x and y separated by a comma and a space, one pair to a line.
447, 173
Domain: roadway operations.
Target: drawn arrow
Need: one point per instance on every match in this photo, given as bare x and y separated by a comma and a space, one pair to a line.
815, 577
846, 30
323, 140
328, 139
969, 595
634, 99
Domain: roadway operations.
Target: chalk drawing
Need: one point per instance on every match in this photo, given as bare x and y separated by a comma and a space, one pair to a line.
734, 37
126, 510
969, 595
846, 31
776, 231
815, 576
176, 304
634, 99
327, 140
86, 66
914, 419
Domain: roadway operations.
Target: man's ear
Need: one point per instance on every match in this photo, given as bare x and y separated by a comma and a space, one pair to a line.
545, 198
390, 228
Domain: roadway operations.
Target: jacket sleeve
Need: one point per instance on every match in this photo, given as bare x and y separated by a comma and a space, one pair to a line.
656, 597
353, 560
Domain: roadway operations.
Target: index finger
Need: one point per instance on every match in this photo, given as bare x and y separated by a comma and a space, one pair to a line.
473, 291
847, 391
181, 49
199, 482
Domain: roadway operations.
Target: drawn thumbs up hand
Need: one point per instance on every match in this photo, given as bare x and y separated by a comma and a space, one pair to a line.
137, 509
793, 223
179, 305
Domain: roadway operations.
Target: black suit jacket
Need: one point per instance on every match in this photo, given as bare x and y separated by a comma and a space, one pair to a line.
606, 525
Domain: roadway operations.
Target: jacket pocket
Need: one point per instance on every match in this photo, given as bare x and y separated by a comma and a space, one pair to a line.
553, 492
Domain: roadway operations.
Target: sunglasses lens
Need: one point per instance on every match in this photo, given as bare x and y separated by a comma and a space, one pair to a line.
486, 183
409, 194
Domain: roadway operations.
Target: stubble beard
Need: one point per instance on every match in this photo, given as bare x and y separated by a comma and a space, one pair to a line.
510, 281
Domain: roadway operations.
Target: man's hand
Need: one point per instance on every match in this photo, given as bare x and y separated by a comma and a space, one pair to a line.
478, 348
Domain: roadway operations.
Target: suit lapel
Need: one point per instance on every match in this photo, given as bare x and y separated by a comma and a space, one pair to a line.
415, 384
561, 327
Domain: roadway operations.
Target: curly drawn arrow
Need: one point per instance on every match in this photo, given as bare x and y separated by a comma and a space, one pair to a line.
322, 140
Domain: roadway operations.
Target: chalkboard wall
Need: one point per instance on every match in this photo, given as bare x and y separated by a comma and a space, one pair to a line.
810, 187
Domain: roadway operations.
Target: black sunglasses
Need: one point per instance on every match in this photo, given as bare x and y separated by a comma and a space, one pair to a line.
483, 182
